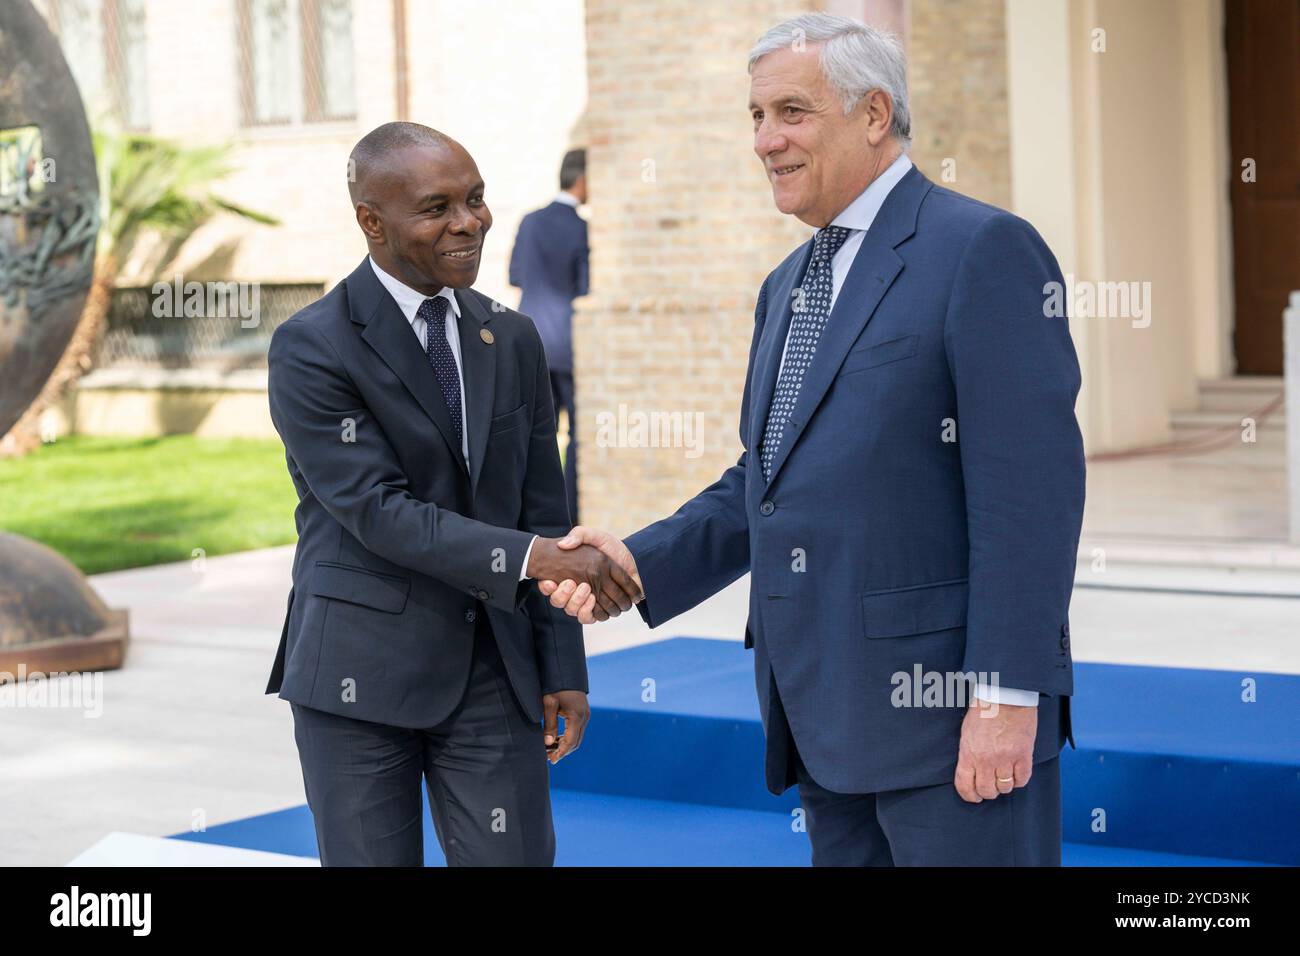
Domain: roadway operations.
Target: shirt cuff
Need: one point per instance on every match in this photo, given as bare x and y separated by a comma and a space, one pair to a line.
523, 570
995, 694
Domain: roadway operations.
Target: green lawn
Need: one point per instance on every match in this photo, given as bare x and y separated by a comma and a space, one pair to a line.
109, 503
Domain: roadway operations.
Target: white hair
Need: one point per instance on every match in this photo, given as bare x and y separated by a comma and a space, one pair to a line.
855, 59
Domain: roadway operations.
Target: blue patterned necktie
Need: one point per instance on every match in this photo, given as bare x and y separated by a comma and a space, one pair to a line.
434, 313
811, 309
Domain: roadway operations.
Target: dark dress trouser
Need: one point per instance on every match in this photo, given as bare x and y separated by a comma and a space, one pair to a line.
485, 768
924, 826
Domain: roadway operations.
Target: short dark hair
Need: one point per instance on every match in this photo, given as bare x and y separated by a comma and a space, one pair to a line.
372, 149
573, 166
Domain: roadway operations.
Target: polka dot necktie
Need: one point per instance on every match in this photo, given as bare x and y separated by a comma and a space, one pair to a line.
434, 313
811, 308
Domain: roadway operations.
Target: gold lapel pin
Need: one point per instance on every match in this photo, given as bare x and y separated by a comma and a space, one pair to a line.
486, 336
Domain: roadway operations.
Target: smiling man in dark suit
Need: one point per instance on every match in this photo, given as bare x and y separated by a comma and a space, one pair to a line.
418, 425
909, 499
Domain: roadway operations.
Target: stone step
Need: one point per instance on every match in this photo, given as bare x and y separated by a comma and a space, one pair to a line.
1246, 393
1201, 428
1203, 421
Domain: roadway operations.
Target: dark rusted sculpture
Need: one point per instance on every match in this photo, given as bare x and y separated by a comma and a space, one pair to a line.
50, 619
49, 207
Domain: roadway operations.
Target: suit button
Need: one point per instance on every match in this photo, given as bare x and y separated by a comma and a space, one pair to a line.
482, 595
470, 616
766, 508
1065, 637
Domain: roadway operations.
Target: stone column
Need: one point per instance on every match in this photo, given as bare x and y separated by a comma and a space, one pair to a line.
1291, 371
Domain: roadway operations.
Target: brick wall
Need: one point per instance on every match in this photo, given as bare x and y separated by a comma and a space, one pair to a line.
957, 75
683, 231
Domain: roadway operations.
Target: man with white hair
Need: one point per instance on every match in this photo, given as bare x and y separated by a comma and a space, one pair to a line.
909, 501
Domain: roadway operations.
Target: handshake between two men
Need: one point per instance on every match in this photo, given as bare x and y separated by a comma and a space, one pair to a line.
589, 573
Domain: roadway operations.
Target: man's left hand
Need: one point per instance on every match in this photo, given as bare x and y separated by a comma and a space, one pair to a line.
996, 754
573, 707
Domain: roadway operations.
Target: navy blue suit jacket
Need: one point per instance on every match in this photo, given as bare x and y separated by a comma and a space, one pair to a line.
878, 546
549, 263
400, 544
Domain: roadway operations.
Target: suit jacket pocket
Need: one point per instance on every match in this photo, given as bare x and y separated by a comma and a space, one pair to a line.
343, 582
921, 609
511, 419
895, 350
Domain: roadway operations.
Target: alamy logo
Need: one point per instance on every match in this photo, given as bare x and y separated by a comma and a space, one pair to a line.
633, 428
942, 688
103, 909
67, 690
214, 300
1082, 299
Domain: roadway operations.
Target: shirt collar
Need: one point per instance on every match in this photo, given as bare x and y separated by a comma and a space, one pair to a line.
861, 213
567, 198
409, 300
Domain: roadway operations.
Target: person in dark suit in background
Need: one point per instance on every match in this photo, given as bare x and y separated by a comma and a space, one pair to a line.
418, 427
549, 263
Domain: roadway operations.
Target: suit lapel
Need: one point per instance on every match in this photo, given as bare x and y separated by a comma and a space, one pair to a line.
480, 375
874, 269
391, 336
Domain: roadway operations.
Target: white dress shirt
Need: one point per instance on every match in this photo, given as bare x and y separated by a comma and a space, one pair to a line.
857, 217
409, 301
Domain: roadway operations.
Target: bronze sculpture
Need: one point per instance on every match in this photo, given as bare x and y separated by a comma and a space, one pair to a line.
50, 619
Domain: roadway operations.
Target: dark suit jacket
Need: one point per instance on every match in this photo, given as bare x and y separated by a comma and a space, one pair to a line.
400, 547
957, 556
549, 263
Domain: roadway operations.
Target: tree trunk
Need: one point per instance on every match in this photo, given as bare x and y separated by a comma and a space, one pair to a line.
77, 359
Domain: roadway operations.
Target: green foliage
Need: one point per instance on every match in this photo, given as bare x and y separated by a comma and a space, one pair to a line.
109, 503
150, 185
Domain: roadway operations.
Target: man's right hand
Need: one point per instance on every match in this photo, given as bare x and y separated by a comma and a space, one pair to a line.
609, 588
576, 597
